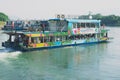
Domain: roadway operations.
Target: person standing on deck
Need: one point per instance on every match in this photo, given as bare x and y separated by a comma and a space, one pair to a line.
43, 27
12, 25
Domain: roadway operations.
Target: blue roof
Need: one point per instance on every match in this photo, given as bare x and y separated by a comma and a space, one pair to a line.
84, 20
79, 20
55, 19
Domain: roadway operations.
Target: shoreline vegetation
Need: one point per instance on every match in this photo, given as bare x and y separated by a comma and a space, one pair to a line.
3, 19
108, 20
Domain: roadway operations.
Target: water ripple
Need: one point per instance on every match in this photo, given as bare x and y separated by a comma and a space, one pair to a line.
6, 54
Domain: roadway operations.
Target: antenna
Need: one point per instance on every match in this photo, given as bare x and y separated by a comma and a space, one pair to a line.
90, 15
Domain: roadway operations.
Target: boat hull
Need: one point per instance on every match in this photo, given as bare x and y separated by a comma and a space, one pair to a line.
24, 49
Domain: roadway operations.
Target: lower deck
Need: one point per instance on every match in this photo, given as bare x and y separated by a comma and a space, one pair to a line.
48, 45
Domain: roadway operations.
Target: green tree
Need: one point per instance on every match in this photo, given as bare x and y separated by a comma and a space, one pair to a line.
3, 17
97, 16
109, 20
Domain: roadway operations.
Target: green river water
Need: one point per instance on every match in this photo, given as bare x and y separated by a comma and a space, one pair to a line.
83, 62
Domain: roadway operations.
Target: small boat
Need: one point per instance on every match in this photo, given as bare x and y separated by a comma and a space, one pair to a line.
57, 32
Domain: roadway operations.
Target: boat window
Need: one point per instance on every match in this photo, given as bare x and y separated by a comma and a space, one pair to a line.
38, 40
74, 25
88, 25
97, 25
32, 40
35, 40
61, 25
77, 37
58, 25
92, 35
67, 38
46, 39
72, 37
83, 25
58, 38
78, 25
52, 38
12, 38
98, 35
92, 25
52, 25
63, 38
44, 25
41, 39
82, 36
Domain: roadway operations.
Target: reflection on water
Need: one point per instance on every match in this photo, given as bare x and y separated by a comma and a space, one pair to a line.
84, 62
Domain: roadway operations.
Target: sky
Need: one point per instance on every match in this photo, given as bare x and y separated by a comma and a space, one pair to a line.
43, 9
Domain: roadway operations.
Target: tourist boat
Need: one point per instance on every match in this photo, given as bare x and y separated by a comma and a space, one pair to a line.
59, 32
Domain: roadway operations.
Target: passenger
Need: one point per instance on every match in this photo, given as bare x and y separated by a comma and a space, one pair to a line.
39, 30
43, 27
25, 41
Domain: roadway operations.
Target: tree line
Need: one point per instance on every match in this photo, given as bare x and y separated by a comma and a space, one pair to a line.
109, 20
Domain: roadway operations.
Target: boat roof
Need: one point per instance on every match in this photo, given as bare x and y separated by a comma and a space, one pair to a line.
84, 20
79, 20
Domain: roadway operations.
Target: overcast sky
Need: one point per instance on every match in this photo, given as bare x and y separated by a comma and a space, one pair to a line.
39, 9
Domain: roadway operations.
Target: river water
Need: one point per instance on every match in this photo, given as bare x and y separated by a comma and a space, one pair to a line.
83, 62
